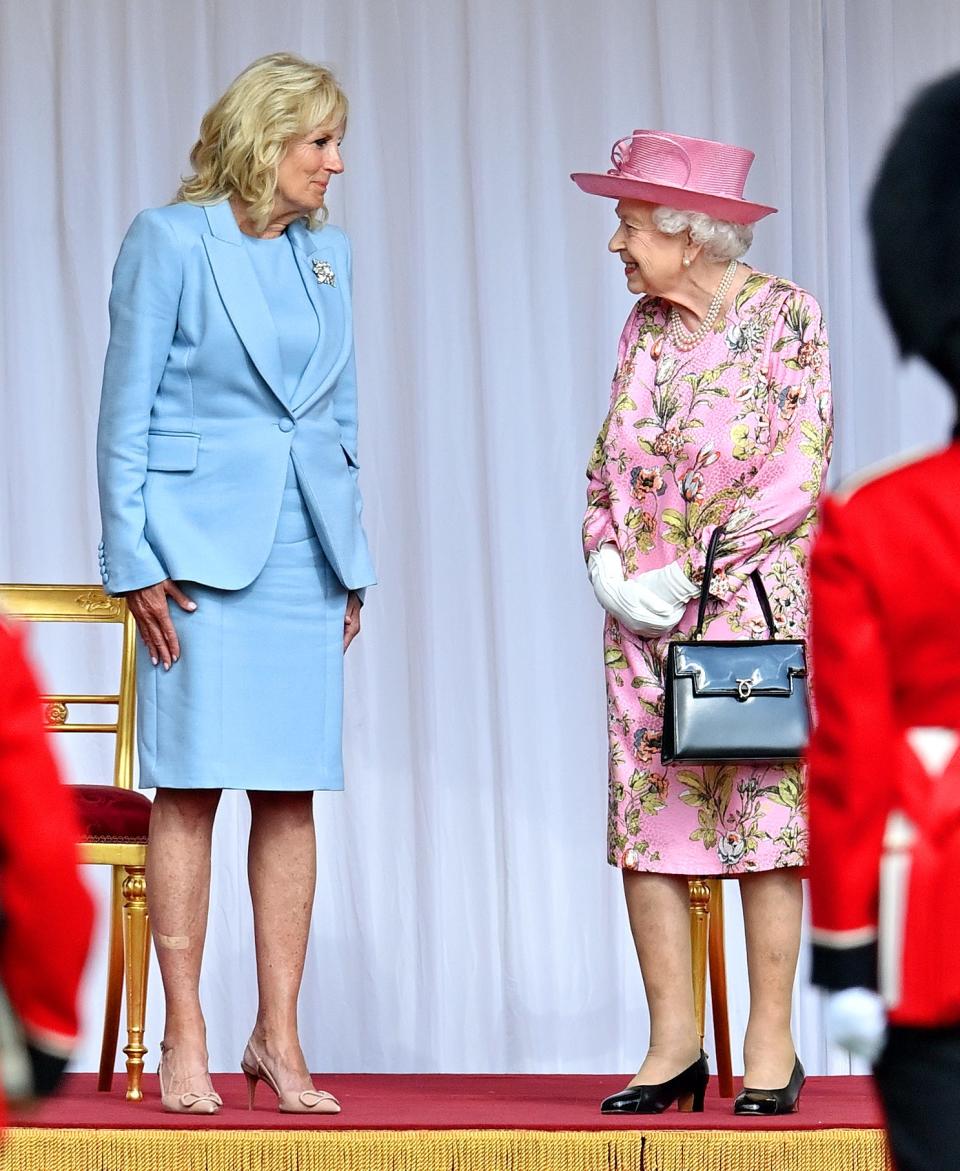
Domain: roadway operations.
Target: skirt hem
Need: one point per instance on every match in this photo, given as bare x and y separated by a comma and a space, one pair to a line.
260, 787
704, 872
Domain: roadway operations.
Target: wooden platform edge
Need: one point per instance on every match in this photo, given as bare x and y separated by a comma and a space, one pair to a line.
834, 1149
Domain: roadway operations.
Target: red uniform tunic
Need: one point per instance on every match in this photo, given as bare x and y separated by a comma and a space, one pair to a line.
46, 912
884, 826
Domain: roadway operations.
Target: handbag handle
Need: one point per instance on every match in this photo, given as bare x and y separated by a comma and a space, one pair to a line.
755, 577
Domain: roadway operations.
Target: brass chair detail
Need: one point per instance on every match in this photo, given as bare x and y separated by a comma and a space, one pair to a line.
114, 818
706, 938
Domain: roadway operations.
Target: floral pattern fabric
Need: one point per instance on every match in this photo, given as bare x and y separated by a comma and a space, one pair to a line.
734, 433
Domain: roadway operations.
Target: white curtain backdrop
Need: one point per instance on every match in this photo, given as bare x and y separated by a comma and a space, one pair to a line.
465, 917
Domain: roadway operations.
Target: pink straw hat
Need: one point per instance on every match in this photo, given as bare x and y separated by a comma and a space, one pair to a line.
689, 174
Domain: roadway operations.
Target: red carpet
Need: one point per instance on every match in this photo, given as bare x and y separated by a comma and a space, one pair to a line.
451, 1102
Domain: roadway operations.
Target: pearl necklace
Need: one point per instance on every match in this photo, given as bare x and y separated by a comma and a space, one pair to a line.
680, 335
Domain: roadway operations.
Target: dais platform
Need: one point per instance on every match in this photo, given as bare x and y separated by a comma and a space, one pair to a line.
447, 1123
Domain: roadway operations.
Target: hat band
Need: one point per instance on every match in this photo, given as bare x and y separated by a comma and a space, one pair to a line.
652, 157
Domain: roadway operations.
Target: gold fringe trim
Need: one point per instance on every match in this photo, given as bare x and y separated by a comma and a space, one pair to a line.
35, 1149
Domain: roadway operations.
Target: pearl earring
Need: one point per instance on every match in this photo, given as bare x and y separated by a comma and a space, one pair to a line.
686, 262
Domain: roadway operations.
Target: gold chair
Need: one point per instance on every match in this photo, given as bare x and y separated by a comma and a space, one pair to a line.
114, 818
706, 938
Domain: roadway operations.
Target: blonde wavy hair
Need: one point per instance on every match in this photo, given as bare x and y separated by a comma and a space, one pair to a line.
243, 136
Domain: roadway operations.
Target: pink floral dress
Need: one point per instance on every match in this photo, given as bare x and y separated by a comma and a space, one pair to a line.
736, 432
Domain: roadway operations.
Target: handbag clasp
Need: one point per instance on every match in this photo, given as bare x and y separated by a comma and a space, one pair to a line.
744, 688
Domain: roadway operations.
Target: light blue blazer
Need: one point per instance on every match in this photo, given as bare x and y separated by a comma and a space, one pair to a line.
195, 437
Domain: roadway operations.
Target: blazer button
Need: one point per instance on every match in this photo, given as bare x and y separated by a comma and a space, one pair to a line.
286, 424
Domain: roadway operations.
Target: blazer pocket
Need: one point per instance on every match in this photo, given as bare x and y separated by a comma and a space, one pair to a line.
350, 457
172, 451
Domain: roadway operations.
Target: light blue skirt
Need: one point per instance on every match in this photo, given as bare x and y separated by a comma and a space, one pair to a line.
256, 698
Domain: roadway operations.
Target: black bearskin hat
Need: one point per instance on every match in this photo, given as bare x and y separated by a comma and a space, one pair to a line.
914, 221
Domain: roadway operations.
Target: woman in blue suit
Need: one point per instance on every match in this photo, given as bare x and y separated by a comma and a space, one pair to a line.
227, 460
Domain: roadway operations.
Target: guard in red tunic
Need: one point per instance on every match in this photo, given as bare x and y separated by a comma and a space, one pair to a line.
884, 762
46, 915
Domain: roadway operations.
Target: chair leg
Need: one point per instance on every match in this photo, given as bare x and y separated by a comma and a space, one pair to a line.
718, 991
137, 933
699, 930
111, 1014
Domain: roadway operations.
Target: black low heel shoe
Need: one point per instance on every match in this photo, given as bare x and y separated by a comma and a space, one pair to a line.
785, 1101
686, 1089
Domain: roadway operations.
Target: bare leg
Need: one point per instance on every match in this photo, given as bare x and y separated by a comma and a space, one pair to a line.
282, 866
772, 909
178, 894
659, 910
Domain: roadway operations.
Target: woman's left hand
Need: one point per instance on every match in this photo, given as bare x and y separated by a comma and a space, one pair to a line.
351, 620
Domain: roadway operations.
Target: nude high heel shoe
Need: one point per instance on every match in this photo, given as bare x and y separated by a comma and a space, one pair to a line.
208, 1103
288, 1101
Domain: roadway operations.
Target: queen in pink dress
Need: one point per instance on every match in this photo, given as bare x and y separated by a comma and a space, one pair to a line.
719, 415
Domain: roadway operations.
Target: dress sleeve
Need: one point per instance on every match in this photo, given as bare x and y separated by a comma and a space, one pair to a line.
791, 466
144, 304
597, 521
850, 755
46, 912
598, 527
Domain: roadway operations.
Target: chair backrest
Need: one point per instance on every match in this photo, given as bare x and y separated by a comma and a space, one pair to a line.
85, 603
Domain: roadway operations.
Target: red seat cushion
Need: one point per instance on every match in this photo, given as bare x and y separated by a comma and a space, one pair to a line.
109, 814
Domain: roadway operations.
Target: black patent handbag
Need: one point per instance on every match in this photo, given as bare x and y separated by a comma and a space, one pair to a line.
735, 700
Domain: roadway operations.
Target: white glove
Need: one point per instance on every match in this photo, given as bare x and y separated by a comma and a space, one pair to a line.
857, 1021
650, 605
671, 585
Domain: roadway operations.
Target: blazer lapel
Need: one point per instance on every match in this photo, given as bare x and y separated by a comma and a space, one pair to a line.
332, 304
242, 296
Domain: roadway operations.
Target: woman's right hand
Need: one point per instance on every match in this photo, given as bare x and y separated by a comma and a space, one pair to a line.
151, 612
632, 603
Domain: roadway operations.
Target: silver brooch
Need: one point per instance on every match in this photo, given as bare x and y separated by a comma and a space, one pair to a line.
324, 273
